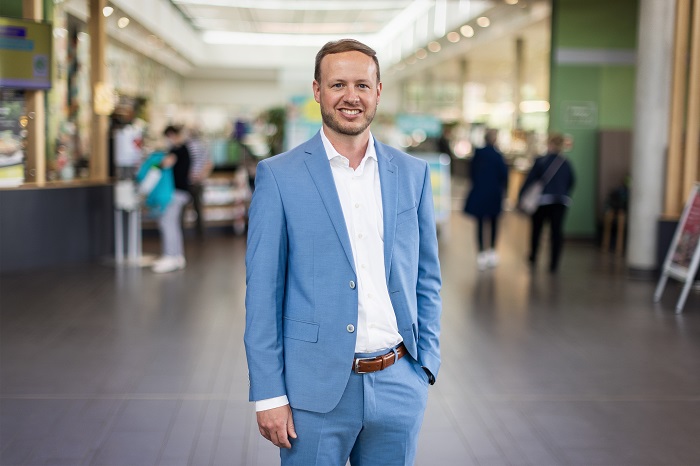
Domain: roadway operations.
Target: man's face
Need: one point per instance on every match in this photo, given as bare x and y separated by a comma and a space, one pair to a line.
348, 92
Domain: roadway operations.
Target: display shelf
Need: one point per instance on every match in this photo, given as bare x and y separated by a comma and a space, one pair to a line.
225, 201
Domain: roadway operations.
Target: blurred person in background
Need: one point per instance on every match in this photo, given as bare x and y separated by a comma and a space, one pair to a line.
489, 178
558, 173
178, 158
343, 283
200, 168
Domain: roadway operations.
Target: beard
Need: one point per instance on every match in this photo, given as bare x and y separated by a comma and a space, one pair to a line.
348, 129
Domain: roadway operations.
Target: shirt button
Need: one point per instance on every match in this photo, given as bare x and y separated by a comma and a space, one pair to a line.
357, 205
352, 285
359, 235
351, 328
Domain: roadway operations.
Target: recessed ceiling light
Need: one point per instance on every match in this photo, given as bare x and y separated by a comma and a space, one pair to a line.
123, 22
453, 36
483, 21
467, 31
106, 11
512, 2
434, 46
421, 54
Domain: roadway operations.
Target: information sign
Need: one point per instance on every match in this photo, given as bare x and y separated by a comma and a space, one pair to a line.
25, 54
683, 255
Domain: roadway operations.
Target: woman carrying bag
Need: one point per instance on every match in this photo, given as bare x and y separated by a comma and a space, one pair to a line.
553, 176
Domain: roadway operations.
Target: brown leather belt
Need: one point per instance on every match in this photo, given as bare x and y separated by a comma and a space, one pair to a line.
379, 363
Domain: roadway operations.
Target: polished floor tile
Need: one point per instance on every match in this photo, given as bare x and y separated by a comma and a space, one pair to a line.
121, 367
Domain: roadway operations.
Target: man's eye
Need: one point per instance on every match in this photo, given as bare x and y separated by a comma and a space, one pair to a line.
337, 85
364, 86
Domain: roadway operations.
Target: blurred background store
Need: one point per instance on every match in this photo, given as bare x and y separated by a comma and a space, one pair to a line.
238, 72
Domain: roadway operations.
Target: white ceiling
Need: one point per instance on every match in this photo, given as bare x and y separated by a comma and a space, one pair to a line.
292, 16
278, 39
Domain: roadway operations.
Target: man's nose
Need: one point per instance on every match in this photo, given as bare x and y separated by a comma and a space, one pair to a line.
351, 95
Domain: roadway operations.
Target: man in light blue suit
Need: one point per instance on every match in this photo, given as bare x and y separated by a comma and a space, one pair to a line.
343, 281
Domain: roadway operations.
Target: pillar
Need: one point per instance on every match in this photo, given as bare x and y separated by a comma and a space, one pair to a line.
679, 98
518, 80
651, 122
463, 80
98, 75
35, 102
690, 159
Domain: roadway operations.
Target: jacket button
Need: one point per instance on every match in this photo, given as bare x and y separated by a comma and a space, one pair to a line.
351, 328
352, 285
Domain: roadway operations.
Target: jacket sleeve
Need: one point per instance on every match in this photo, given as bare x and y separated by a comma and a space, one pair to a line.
429, 282
266, 260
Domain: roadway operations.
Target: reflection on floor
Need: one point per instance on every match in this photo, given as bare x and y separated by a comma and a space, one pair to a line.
104, 366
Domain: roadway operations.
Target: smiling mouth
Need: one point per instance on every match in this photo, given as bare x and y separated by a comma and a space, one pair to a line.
350, 112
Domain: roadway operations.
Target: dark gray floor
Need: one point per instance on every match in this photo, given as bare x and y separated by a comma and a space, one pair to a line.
105, 366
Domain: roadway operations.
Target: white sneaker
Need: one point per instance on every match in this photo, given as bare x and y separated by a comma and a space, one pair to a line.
492, 257
169, 264
482, 260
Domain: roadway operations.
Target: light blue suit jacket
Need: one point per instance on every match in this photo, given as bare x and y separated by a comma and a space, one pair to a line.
301, 296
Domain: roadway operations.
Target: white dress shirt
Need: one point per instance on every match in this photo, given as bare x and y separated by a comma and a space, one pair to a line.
360, 196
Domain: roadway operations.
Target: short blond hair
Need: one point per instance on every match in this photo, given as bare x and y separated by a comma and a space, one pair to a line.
340, 46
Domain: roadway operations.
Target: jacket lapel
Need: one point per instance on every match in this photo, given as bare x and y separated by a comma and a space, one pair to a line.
389, 177
320, 170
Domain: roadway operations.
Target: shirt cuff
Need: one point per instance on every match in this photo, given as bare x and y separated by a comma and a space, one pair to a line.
270, 403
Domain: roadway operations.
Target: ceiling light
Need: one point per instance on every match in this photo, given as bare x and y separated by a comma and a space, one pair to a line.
106, 11
123, 22
434, 46
411, 60
512, 2
483, 21
421, 54
453, 36
467, 31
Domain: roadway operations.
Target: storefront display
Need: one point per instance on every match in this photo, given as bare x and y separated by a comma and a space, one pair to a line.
12, 135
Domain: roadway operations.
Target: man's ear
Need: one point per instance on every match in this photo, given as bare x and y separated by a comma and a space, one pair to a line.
317, 91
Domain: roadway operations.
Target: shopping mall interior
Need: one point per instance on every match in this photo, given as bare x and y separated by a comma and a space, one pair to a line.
103, 361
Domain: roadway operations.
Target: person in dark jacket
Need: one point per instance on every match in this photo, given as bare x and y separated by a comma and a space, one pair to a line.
489, 177
554, 200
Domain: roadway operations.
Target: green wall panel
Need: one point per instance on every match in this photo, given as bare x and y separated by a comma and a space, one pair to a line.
11, 8
576, 113
609, 24
588, 97
617, 97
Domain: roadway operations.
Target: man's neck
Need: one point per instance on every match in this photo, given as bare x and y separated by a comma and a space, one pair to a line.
352, 147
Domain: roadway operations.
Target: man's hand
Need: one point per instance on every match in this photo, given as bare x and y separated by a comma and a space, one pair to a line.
277, 426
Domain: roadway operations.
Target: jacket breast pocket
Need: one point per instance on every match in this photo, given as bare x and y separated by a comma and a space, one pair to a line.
300, 330
406, 215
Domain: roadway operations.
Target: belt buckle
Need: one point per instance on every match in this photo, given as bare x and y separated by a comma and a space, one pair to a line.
356, 369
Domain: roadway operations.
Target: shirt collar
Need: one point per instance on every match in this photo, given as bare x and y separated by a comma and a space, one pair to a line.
331, 153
